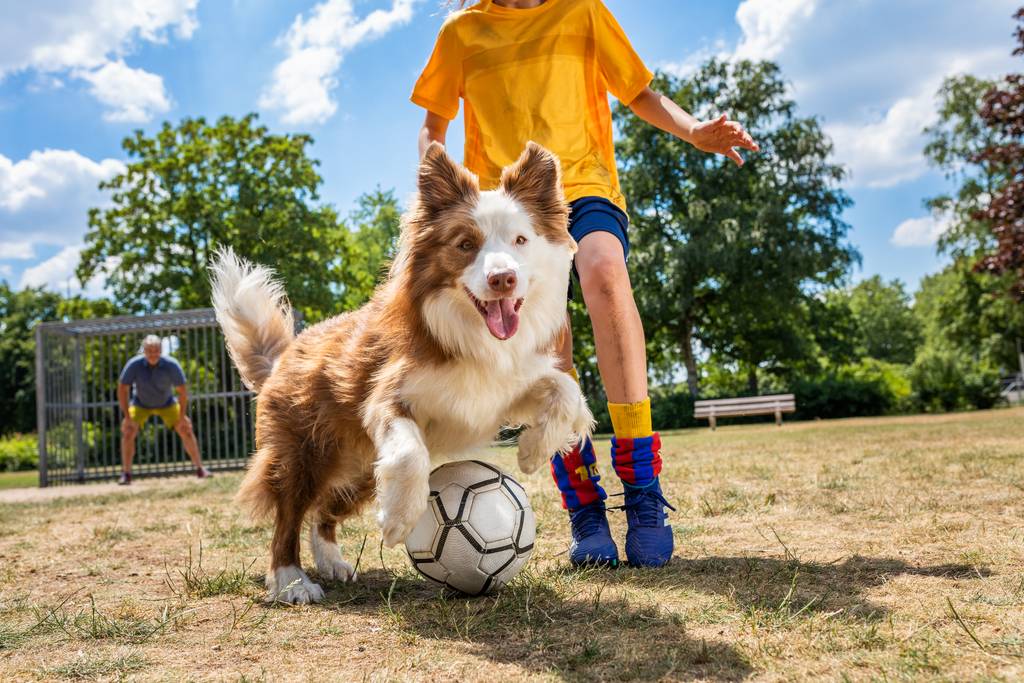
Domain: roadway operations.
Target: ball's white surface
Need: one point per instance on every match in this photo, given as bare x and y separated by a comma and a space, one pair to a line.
478, 529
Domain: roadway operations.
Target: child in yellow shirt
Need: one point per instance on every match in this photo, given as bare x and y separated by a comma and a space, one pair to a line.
541, 70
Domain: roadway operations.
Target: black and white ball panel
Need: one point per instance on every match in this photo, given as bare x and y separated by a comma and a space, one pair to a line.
478, 530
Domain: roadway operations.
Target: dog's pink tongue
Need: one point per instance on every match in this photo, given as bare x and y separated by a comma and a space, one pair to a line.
502, 318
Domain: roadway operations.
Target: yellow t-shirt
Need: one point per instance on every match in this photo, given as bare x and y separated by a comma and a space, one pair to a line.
540, 74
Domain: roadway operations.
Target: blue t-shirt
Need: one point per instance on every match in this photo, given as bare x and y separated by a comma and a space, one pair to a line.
153, 384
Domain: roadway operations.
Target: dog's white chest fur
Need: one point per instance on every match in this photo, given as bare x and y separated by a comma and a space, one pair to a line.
462, 405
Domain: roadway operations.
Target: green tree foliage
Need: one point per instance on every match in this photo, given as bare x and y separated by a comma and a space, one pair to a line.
192, 188
20, 312
725, 256
964, 312
959, 136
889, 331
369, 246
967, 312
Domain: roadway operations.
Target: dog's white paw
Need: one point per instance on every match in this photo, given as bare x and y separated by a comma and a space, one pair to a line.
398, 521
329, 564
290, 584
532, 451
336, 570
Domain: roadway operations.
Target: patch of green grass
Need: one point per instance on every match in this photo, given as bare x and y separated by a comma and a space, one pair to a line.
19, 480
87, 668
91, 623
194, 581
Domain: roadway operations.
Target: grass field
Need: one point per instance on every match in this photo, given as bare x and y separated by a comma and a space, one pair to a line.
17, 480
888, 549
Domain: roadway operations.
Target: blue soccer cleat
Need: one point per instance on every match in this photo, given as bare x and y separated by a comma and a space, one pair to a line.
649, 535
592, 543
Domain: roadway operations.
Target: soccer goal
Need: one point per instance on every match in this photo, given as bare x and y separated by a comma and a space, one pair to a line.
79, 422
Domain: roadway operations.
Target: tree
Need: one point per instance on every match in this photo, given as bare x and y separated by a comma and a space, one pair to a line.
369, 246
1003, 112
959, 136
728, 258
889, 330
193, 188
20, 312
838, 335
967, 312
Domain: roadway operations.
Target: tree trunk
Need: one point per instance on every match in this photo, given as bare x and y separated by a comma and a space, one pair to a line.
689, 359
752, 380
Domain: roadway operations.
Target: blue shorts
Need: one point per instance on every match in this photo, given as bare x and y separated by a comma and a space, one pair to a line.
596, 214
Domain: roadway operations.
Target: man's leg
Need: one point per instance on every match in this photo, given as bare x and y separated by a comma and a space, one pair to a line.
129, 431
622, 360
188, 439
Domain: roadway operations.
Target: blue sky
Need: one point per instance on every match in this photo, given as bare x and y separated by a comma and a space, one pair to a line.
77, 76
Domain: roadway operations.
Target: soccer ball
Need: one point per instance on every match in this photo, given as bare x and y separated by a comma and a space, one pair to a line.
478, 529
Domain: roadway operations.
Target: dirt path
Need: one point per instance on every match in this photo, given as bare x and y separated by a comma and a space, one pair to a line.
38, 495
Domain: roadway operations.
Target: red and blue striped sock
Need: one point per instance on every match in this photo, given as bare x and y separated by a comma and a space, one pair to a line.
637, 461
577, 477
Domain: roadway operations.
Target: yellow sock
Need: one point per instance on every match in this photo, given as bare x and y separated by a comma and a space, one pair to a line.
631, 420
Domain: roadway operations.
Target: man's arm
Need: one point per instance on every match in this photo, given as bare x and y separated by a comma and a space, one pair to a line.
182, 398
434, 129
122, 398
718, 136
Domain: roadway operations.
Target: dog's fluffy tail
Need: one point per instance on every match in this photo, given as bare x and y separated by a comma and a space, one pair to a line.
254, 314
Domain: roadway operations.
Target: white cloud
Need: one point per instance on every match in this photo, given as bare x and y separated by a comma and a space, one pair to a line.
920, 232
58, 35
16, 250
768, 26
887, 152
135, 95
871, 68
301, 85
57, 273
44, 199
88, 40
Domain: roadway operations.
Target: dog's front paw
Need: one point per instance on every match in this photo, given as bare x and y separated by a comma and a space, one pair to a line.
533, 451
398, 520
290, 584
402, 503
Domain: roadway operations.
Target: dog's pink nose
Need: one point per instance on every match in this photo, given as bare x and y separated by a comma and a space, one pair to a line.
503, 281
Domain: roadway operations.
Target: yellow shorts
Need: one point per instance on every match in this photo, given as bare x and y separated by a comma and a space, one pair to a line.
169, 415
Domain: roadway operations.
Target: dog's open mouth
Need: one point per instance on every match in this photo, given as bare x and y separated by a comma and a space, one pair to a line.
501, 315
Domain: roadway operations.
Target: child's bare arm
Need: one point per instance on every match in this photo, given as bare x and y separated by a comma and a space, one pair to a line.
718, 136
434, 129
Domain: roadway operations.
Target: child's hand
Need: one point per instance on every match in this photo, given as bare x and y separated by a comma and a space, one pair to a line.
720, 136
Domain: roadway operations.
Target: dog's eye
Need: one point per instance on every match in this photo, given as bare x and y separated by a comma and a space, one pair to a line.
521, 240
466, 245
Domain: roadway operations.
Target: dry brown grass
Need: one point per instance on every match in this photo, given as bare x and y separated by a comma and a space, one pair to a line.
888, 549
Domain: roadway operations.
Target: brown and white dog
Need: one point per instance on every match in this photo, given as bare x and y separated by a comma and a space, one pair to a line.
457, 342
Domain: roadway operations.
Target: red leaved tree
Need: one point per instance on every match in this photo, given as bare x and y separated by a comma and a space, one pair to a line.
1003, 111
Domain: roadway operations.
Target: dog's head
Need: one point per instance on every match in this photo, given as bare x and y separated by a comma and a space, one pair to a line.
488, 267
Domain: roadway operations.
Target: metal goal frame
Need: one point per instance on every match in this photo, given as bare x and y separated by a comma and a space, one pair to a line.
78, 419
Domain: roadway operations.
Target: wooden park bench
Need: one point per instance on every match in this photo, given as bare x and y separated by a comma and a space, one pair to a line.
712, 409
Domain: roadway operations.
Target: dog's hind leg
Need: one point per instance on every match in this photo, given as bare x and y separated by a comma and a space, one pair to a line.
340, 504
286, 581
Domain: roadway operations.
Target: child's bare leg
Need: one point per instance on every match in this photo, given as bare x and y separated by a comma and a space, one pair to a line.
618, 331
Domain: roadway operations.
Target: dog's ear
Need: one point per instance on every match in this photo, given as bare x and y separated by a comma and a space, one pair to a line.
535, 180
442, 182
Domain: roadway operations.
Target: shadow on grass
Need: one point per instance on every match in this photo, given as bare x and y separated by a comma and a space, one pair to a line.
777, 589
548, 623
